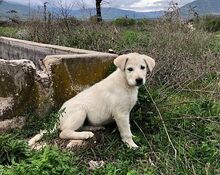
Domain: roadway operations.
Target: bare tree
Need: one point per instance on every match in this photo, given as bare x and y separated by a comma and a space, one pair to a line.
173, 11
45, 11
64, 14
0, 3
193, 13
98, 10
64, 9
99, 3
85, 10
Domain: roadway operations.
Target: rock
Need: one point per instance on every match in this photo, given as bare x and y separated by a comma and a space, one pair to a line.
17, 122
22, 89
38, 146
96, 164
17, 87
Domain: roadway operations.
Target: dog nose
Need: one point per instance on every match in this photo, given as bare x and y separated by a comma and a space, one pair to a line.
139, 81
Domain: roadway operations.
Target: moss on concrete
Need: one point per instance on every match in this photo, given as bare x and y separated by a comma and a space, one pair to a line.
7, 86
62, 85
19, 83
73, 75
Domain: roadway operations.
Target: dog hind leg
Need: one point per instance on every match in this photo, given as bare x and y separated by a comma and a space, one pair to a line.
74, 135
73, 123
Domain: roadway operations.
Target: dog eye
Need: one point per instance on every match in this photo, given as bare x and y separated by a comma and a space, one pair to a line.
130, 69
142, 67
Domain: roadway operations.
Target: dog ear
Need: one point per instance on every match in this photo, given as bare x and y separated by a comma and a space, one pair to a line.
121, 61
150, 62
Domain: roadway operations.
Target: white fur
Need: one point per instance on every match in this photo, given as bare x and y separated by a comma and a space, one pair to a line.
108, 100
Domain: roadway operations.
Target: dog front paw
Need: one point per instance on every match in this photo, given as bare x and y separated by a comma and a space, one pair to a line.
130, 143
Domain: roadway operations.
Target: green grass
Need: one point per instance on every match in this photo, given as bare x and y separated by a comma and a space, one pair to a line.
9, 31
217, 34
215, 43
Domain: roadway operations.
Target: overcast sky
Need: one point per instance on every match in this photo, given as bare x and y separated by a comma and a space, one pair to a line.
137, 5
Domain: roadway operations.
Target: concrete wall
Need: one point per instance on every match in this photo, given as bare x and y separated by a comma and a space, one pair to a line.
35, 77
14, 49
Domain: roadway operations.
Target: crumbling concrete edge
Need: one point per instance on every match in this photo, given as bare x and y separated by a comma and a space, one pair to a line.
63, 48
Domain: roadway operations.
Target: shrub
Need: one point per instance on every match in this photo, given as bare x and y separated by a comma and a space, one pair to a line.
209, 23
12, 150
214, 45
181, 55
9, 31
91, 36
44, 32
124, 22
44, 162
144, 22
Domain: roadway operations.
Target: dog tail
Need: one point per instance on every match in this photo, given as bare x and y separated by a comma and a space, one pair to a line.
32, 142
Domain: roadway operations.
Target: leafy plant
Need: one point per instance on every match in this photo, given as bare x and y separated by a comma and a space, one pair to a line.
210, 23
124, 22
12, 150
50, 160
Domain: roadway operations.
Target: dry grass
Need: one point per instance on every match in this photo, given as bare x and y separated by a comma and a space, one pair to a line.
182, 55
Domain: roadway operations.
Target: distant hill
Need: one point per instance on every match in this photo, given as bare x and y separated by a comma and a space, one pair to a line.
21, 10
113, 13
202, 7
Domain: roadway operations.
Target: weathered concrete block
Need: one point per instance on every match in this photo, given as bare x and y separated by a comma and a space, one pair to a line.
16, 122
17, 87
35, 77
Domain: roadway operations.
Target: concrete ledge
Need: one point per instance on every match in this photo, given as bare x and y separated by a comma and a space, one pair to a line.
13, 49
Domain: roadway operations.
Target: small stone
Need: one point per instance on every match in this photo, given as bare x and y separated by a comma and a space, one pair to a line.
96, 164
111, 51
38, 146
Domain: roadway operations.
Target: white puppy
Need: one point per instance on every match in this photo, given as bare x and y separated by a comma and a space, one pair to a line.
108, 100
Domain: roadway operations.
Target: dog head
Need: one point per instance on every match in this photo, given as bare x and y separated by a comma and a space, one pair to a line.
135, 67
